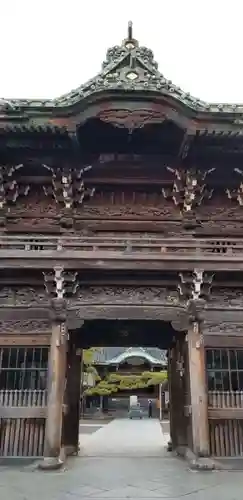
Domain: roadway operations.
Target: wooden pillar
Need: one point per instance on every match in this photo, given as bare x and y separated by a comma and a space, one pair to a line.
180, 395
72, 400
171, 380
56, 381
198, 389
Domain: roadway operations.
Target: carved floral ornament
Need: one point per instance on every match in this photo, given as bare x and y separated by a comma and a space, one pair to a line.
131, 119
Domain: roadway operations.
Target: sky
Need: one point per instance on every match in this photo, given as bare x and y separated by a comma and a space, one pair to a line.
50, 47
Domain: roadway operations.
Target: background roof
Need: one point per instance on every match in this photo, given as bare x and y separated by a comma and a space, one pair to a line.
105, 354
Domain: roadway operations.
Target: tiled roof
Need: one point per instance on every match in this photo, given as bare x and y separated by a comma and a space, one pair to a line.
105, 354
127, 67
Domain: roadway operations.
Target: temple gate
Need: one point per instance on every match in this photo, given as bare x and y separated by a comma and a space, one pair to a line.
120, 202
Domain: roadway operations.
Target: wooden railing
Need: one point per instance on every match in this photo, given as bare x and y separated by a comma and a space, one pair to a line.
23, 403
27, 397
154, 245
225, 399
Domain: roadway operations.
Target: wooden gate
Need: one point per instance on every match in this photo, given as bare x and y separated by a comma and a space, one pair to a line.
23, 400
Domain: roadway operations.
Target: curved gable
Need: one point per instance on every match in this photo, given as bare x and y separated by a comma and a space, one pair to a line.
130, 68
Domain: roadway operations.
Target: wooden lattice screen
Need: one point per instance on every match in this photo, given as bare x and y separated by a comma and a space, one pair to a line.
23, 400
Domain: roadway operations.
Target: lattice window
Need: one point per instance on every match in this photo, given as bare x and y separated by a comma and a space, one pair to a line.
224, 369
23, 368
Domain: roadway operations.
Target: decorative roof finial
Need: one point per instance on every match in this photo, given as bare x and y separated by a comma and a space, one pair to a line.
129, 31
130, 43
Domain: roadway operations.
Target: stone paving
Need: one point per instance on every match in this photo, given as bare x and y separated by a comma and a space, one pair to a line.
140, 469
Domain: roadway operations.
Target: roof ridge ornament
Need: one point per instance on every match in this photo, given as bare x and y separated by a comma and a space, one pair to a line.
130, 43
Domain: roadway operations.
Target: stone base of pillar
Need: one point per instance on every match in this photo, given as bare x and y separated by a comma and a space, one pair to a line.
50, 463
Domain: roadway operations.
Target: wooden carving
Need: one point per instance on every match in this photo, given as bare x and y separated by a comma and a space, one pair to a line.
35, 205
195, 285
22, 296
189, 188
131, 119
10, 189
126, 295
236, 194
223, 328
220, 207
226, 298
29, 224
24, 326
68, 187
60, 283
133, 206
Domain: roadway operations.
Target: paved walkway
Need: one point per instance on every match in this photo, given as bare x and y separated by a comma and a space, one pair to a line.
125, 437
102, 473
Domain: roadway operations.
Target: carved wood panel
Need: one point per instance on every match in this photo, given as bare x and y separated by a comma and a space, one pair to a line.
226, 298
29, 224
76, 316
223, 328
33, 326
23, 296
36, 204
220, 207
127, 210
126, 295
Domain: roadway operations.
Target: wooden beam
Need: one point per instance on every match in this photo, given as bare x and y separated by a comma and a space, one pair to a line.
25, 340
107, 261
22, 412
225, 413
223, 341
